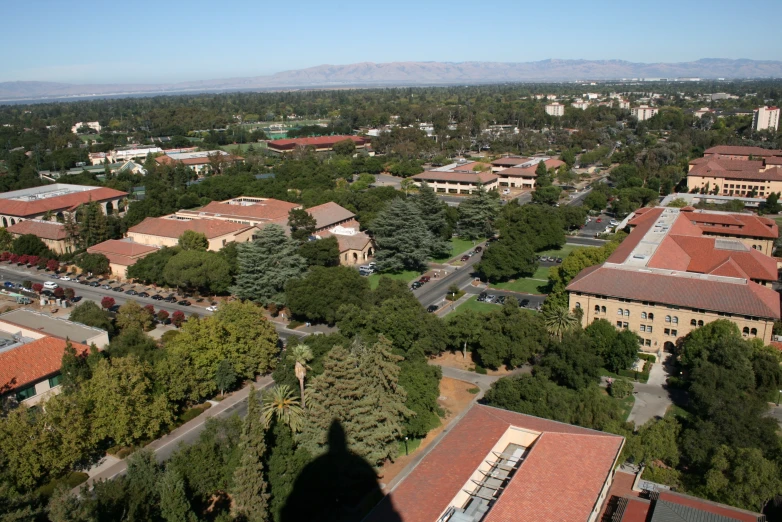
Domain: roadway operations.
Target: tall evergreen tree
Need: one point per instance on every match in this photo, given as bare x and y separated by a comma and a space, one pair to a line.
92, 225
433, 212
266, 264
301, 223
477, 214
284, 464
174, 504
251, 497
403, 240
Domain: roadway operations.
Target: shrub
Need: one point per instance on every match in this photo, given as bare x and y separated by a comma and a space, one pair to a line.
162, 315
107, 302
473, 390
27, 284
52, 265
620, 388
178, 318
37, 287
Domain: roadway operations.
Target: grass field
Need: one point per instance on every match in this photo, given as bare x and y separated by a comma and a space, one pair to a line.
473, 304
412, 445
242, 147
458, 247
562, 252
406, 276
525, 286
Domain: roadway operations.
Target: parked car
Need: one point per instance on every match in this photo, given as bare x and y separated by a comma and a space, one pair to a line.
9, 284
613, 222
143, 294
83, 282
425, 279
131, 292
501, 299
51, 285
465, 257
157, 297
599, 220
65, 278
118, 289
94, 284
183, 302
47, 293
524, 303
372, 265
482, 296
478, 249
490, 298
106, 287
558, 260
432, 308
416, 285
170, 299
211, 308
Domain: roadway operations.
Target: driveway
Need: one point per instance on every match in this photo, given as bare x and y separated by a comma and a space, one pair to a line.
652, 398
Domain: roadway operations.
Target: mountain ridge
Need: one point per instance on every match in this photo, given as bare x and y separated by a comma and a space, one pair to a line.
420, 73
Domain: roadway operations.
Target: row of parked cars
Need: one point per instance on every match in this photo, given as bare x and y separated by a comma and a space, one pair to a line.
107, 285
485, 297
367, 270
550, 259
468, 255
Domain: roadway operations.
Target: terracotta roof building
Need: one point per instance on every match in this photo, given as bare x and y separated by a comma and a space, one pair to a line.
668, 277
245, 209
122, 254
56, 200
29, 369
500, 466
320, 143
53, 234
330, 215
737, 171
199, 161
165, 231
457, 178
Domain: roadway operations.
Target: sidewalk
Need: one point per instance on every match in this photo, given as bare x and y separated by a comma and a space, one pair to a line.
187, 433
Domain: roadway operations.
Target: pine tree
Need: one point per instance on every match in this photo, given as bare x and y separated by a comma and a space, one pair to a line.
74, 368
266, 264
250, 495
284, 464
174, 504
403, 240
477, 215
433, 213
92, 224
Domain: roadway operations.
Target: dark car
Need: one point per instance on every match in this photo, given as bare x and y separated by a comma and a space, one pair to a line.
131, 292
83, 282
47, 293
114, 308
523, 302
9, 284
416, 285
183, 302
143, 294
432, 308
157, 297
465, 257
94, 284
118, 289
478, 249
501, 299
170, 299
482, 296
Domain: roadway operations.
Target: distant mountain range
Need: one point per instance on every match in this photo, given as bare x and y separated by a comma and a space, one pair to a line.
368, 74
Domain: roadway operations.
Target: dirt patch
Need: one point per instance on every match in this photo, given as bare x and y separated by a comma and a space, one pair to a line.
454, 398
455, 360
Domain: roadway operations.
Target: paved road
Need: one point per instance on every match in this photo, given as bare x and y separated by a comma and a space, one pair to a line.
19, 274
585, 241
434, 291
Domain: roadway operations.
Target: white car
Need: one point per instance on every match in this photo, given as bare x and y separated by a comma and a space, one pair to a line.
613, 222
211, 308
506, 191
65, 278
50, 285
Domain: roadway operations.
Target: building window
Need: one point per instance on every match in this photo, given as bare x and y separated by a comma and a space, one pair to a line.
625, 325
648, 342
627, 312
620, 312
745, 331
667, 331
643, 315
597, 309
693, 323
603, 309
667, 318
578, 305
700, 323
619, 324
651, 316
55, 381
753, 331
674, 333
643, 328
649, 329
25, 393
675, 320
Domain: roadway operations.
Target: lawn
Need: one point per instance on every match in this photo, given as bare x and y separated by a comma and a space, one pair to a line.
458, 247
473, 304
406, 276
412, 445
626, 405
541, 273
242, 147
525, 286
562, 252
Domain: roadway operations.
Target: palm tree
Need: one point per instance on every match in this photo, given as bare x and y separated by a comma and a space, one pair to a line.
280, 402
558, 321
301, 354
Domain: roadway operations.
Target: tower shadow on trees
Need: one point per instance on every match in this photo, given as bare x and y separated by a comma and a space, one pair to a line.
338, 486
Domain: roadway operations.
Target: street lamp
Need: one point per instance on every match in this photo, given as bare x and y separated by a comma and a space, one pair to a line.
406, 453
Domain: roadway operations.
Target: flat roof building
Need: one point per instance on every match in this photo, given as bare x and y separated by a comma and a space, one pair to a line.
458, 178
644, 112
199, 161
555, 109
319, 143
36, 324
56, 200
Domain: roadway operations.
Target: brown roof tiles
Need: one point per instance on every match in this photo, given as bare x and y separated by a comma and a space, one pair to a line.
32, 362
166, 227
456, 177
13, 207
42, 229
329, 214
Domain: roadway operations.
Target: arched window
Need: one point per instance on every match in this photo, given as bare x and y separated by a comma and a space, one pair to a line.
675, 320
643, 315
13, 221
667, 318
60, 217
745, 331
578, 305
754, 331
693, 323
700, 323
597, 309
620, 312
5, 223
651, 316
603, 309
627, 312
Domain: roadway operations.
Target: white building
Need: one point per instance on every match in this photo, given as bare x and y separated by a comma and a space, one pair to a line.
130, 153
624, 104
94, 125
580, 104
765, 118
700, 112
555, 109
644, 112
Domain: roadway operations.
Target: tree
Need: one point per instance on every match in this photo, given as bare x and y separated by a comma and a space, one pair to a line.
507, 259
225, 376
477, 214
142, 480
742, 477
132, 316
174, 504
301, 223
771, 205
546, 195
178, 318
319, 294
322, 252
91, 314
266, 264
464, 329
596, 200
125, 409
31, 245
279, 403
150, 268
620, 388
6, 239
196, 269
403, 240
301, 354
433, 212
52, 265
92, 225
74, 368
250, 492
558, 321
192, 240
96, 264
541, 169
571, 363
344, 147
107, 302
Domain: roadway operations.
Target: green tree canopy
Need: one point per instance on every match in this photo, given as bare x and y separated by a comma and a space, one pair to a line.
192, 240
319, 294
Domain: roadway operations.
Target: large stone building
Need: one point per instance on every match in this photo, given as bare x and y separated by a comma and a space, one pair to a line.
54, 202
165, 231
202, 161
54, 235
737, 171
122, 254
672, 274
318, 144
520, 172
458, 178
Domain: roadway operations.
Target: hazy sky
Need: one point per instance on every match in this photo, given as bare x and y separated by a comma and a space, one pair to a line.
86, 41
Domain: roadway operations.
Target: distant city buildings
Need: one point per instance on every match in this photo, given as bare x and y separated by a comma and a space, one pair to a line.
765, 118
580, 104
644, 112
555, 109
94, 125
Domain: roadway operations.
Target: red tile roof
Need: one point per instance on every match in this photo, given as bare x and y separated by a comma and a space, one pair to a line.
42, 229
509, 161
166, 227
771, 174
32, 362
738, 298
636, 511
456, 177
431, 486
738, 225
730, 150
265, 209
329, 214
711, 507
319, 142
727, 164
12, 207
168, 160
122, 252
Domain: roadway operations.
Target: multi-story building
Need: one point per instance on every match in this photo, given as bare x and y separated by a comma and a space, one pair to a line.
319, 144
458, 178
624, 104
737, 171
54, 202
670, 276
555, 109
580, 104
519, 172
765, 118
199, 161
643, 112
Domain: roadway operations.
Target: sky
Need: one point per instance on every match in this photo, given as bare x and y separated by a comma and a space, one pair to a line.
167, 41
